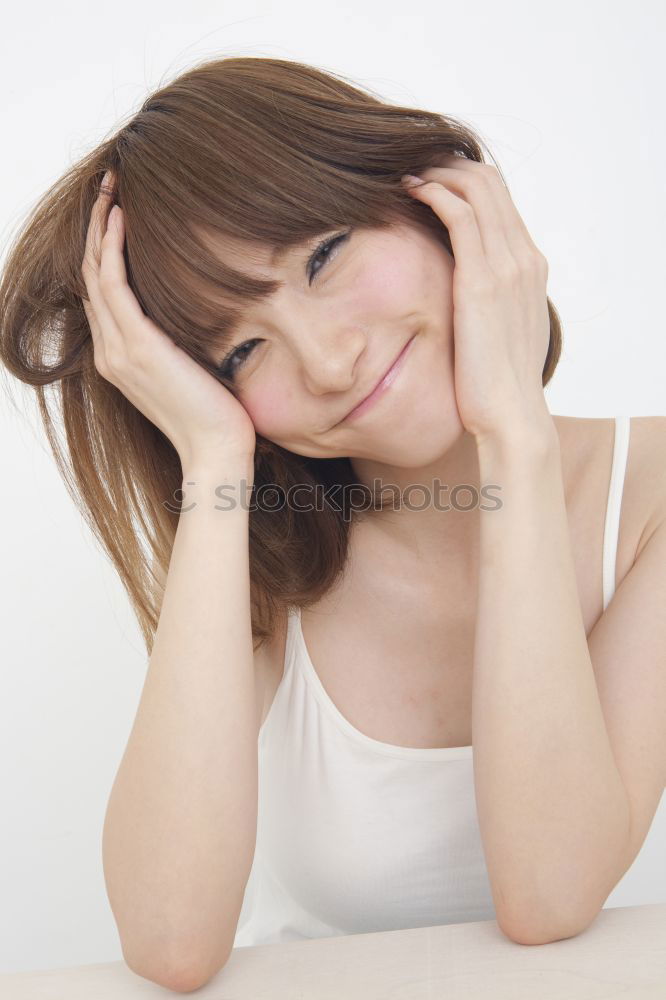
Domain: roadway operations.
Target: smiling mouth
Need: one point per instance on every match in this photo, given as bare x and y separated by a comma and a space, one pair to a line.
382, 385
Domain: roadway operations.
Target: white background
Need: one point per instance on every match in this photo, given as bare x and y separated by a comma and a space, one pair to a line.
569, 98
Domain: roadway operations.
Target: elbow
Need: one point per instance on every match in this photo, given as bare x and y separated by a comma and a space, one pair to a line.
538, 918
533, 932
183, 974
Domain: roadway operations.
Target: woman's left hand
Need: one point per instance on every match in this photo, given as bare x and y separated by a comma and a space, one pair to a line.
501, 325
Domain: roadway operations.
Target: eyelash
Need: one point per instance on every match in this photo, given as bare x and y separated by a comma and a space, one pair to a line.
226, 369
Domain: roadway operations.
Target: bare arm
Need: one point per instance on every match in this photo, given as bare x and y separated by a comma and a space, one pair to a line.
553, 808
180, 827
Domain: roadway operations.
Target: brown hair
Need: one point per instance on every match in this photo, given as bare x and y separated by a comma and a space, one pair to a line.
264, 150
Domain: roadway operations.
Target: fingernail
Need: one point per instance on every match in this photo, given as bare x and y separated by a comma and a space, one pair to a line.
411, 180
107, 179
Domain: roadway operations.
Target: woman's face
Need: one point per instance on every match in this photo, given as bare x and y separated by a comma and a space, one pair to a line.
321, 344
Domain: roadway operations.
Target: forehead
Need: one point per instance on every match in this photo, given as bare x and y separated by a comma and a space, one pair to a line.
256, 257
259, 258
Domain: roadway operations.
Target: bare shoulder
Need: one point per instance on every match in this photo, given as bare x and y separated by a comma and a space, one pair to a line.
651, 433
589, 440
583, 435
648, 441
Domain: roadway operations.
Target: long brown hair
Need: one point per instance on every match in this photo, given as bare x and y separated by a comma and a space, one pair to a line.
268, 151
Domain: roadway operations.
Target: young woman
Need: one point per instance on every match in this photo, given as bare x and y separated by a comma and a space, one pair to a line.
387, 684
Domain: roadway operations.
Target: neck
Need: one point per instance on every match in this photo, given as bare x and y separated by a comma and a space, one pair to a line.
440, 501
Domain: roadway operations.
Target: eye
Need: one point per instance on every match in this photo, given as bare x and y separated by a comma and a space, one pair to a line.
324, 250
236, 358
227, 369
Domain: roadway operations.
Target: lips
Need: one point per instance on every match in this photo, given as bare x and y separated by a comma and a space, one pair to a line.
379, 380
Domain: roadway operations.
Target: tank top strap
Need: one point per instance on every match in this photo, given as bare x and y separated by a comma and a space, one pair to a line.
614, 505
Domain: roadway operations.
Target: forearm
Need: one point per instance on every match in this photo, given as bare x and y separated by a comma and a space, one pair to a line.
180, 827
553, 811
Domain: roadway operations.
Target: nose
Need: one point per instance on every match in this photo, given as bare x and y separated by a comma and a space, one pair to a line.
329, 363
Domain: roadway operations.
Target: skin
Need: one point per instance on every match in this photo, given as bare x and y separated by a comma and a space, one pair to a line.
539, 681
326, 345
566, 784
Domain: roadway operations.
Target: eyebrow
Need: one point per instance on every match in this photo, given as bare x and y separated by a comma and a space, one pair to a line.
277, 253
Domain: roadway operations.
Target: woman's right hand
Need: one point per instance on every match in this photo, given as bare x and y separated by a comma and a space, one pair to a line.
198, 414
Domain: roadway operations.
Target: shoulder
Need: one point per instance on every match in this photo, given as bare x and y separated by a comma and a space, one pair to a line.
651, 433
582, 437
648, 441
587, 447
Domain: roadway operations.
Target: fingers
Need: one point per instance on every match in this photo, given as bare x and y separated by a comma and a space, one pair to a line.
118, 296
97, 224
506, 240
475, 194
507, 205
459, 218
100, 320
115, 308
114, 315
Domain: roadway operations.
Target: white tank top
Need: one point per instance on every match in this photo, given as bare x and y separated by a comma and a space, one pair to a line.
355, 835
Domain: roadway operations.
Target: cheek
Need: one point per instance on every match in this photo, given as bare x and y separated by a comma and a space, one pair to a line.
388, 286
409, 281
269, 411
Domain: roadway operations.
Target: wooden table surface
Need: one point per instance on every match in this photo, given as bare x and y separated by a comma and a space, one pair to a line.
621, 956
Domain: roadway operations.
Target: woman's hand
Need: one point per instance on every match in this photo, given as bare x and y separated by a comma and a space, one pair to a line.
500, 312
199, 415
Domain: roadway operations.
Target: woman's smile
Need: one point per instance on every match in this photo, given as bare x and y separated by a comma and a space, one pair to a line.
382, 387
349, 338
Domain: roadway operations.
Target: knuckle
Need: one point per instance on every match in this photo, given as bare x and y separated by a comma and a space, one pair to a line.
533, 263
114, 365
489, 171
541, 263
114, 361
101, 365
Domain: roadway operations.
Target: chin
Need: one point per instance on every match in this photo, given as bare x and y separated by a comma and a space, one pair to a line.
421, 422
417, 433
430, 430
